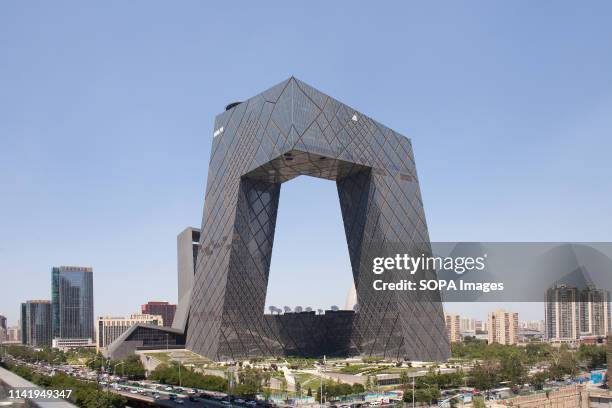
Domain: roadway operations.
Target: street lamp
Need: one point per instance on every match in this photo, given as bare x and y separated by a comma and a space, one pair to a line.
413, 391
122, 364
180, 381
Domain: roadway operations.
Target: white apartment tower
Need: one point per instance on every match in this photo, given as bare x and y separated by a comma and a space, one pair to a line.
503, 327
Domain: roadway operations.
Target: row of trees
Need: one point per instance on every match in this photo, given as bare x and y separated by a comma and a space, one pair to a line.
427, 388
586, 356
84, 394
333, 390
24, 353
170, 374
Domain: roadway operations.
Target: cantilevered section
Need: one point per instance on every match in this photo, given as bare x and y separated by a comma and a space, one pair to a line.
144, 337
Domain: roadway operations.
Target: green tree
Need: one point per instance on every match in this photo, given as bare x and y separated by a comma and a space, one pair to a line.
483, 377
358, 388
368, 384
512, 369
479, 402
283, 389
539, 379
592, 356
404, 379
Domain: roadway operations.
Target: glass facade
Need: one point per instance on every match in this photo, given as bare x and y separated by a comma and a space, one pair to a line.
37, 322
72, 302
23, 322
290, 130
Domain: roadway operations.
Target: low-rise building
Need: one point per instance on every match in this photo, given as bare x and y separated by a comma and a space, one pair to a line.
69, 344
108, 329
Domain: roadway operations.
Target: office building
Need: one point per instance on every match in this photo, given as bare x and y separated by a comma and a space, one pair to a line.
110, 328
72, 302
163, 309
23, 320
562, 314
37, 317
3, 329
502, 327
594, 312
123, 338
453, 328
14, 334
290, 130
187, 247
70, 344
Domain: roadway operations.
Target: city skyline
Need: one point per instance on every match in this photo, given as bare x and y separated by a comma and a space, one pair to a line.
99, 140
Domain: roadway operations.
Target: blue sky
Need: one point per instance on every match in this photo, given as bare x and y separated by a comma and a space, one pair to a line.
106, 116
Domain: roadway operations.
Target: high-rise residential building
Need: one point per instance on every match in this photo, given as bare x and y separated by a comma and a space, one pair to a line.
480, 326
502, 327
3, 322
468, 325
535, 325
594, 312
72, 299
562, 314
110, 328
453, 328
165, 309
37, 323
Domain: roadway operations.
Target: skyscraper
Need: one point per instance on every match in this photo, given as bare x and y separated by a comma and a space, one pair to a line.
3, 328
562, 313
503, 327
37, 323
23, 315
165, 309
72, 299
187, 246
290, 130
594, 312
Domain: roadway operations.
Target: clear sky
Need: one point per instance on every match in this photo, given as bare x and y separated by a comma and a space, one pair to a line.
106, 117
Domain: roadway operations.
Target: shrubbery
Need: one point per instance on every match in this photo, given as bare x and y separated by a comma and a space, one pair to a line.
169, 374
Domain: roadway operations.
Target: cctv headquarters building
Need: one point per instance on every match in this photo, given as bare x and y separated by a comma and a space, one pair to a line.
287, 131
